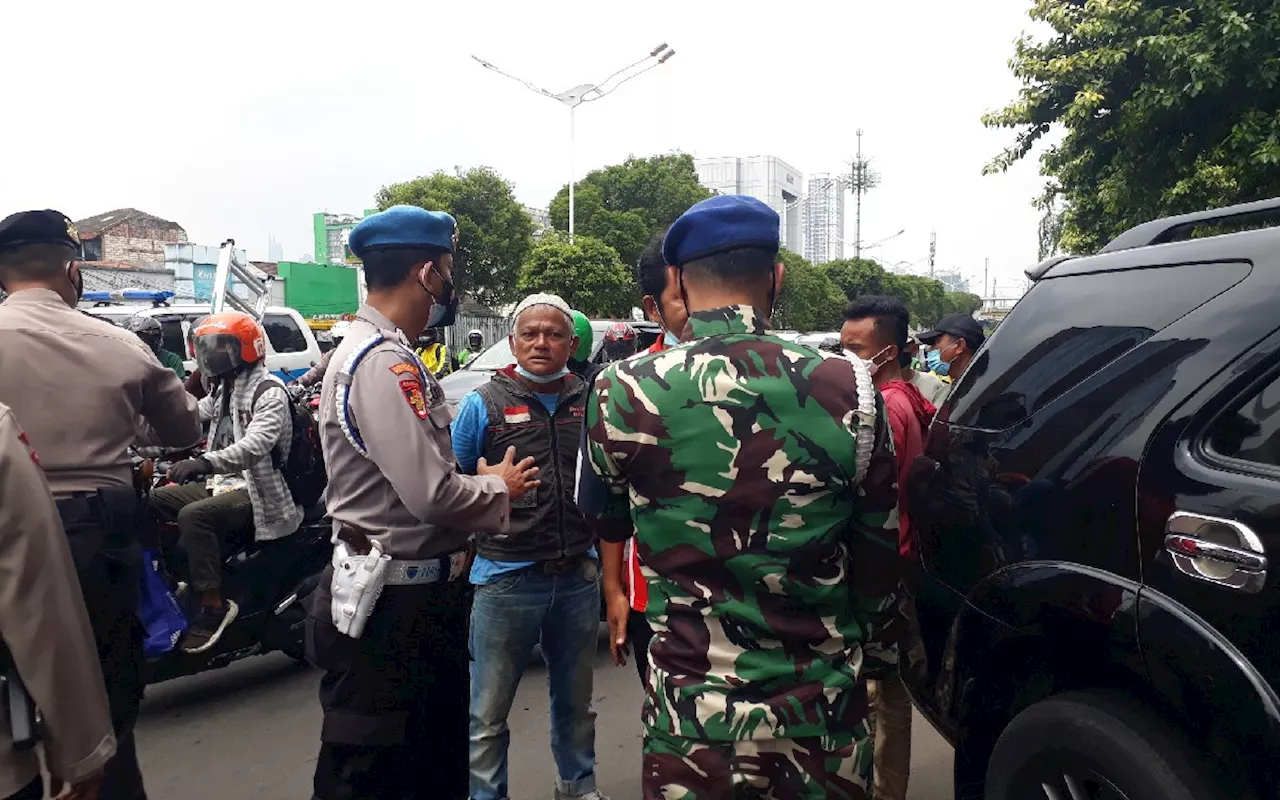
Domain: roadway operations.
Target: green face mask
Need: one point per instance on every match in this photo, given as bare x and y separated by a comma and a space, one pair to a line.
586, 340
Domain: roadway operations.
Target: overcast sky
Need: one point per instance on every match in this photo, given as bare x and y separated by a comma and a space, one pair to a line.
240, 119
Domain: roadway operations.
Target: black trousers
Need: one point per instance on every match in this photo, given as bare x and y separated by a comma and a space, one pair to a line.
32, 791
395, 700
109, 563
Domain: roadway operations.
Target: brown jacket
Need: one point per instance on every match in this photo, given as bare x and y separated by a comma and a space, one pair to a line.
44, 624
79, 385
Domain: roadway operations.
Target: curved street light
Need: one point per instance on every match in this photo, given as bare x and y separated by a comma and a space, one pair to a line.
587, 93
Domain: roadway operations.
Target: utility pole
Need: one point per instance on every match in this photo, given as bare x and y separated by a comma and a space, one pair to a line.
933, 250
986, 265
858, 172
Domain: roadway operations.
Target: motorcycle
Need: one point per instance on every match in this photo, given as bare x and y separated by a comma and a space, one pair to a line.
269, 581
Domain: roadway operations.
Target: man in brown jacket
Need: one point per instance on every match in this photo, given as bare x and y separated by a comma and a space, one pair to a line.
46, 630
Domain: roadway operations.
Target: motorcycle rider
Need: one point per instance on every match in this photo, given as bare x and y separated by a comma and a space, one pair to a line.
82, 417
152, 335
620, 342
475, 343
250, 432
433, 352
580, 360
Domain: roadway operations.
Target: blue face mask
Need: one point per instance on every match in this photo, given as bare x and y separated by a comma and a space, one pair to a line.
670, 339
552, 378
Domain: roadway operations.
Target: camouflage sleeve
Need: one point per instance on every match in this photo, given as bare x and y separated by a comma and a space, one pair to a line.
602, 488
873, 550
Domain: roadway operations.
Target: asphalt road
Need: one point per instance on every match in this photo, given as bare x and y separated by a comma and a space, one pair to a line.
250, 732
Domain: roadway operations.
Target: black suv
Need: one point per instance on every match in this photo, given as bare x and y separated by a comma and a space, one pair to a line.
1095, 508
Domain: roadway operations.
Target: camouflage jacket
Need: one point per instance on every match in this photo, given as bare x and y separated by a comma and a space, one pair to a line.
772, 577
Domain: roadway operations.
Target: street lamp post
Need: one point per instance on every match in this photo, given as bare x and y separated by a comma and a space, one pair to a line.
586, 93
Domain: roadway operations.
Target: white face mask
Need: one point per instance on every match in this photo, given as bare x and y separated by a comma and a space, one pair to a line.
872, 366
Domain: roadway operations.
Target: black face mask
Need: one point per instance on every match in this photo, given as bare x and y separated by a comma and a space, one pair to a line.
77, 283
445, 308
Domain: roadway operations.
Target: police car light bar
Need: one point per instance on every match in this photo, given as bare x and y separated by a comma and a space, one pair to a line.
128, 296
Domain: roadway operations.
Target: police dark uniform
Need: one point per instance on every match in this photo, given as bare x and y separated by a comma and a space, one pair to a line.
395, 700
80, 385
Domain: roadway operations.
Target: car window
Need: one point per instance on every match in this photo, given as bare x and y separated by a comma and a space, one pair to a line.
1251, 432
172, 338
284, 333
1060, 334
495, 357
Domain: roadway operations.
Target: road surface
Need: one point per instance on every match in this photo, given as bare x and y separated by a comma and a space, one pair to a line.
250, 731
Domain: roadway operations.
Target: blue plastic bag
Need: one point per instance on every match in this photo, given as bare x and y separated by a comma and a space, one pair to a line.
163, 622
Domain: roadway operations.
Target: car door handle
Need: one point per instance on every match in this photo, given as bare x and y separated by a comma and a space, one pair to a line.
1215, 550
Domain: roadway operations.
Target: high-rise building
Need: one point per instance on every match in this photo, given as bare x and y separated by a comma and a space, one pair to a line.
541, 220
331, 234
824, 218
765, 178
954, 281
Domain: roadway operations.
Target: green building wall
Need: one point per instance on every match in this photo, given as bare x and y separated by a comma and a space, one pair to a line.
319, 288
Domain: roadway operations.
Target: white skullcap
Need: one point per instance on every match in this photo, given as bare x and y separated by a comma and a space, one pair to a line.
553, 300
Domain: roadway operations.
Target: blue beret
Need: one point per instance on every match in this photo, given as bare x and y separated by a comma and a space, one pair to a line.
718, 224
402, 227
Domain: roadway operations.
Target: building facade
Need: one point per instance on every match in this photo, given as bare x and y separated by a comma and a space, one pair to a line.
954, 281
128, 237
331, 232
824, 218
765, 178
541, 220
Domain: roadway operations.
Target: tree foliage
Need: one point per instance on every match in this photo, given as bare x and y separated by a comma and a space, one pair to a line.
1168, 108
927, 299
809, 300
588, 274
625, 204
494, 232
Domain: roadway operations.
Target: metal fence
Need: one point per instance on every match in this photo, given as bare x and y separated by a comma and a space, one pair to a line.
493, 326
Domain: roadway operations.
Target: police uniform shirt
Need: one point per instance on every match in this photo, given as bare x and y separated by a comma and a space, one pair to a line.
79, 384
407, 494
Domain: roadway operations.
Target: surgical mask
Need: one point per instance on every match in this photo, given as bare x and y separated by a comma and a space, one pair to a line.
552, 378
872, 366
933, 359
670, 339
445, 308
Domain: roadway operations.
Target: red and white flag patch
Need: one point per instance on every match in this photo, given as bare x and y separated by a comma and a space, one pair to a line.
516, 414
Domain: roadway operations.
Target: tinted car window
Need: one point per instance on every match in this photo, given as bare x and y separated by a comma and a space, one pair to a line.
1252, 431
1066, 329
284, 333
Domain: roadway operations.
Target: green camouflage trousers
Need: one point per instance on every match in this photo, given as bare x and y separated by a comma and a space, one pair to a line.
836, 766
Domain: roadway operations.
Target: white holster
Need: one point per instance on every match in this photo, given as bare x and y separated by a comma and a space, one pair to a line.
357, 583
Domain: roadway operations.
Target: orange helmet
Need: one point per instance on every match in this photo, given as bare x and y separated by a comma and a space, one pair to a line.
225, 341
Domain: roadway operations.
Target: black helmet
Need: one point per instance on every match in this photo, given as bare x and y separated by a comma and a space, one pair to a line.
146, 328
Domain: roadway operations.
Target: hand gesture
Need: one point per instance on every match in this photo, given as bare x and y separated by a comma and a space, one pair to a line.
617, 609
519, 478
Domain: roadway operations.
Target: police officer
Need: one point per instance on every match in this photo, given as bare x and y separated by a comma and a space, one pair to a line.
82, 417
395, 699
48, 641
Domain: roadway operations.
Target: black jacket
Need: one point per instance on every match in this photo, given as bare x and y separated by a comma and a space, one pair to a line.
545, 522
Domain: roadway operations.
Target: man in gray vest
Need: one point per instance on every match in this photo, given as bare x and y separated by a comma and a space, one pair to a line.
539, 581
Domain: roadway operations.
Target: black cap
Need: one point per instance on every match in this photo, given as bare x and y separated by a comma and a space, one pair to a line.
37, 227
961, 326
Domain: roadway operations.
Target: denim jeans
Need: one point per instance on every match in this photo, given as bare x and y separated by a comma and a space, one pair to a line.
510, 615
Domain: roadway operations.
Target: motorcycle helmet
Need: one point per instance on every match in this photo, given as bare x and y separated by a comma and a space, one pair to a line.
586, 337
147, 329
620, 341
475, 338
227, 341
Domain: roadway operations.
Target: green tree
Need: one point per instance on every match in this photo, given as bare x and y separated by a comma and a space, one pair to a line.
857, 276
1167, 108
494, 232
809, 300
587, 274
625, 204
962, 303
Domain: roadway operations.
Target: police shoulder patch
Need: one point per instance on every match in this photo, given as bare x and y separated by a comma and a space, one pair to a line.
404, 368
412, 390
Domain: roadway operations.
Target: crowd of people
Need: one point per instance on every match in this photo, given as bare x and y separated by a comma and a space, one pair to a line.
735, 501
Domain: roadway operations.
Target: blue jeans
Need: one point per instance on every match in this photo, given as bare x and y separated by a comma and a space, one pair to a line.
510, 615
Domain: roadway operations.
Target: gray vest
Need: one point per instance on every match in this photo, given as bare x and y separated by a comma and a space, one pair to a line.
545, 521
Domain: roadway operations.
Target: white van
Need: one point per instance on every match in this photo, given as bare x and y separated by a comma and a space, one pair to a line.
291, 346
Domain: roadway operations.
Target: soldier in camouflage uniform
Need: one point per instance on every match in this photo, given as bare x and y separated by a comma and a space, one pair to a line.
758, 478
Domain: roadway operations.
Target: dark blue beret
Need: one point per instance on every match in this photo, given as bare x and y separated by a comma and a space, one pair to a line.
402, 227
718, 224
37, 227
